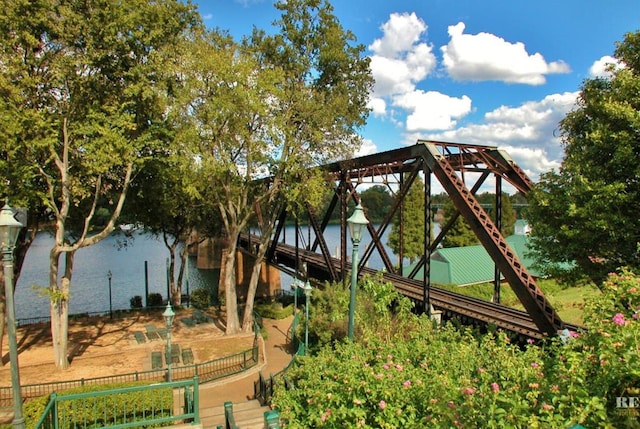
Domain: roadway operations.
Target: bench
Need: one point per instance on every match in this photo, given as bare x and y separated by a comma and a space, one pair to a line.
156, 360
175, 354
152, 332
187, 356
139, 336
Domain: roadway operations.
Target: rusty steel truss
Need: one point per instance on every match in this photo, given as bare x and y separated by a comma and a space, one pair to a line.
449, 163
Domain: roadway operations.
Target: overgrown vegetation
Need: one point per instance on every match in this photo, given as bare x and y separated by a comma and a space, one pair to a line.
402, 371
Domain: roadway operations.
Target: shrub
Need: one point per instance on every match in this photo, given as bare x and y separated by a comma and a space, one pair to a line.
154, 300
111, 407
201, 298
421, 376
135, 302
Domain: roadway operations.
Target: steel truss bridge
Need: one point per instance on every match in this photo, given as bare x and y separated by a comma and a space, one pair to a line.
450, 164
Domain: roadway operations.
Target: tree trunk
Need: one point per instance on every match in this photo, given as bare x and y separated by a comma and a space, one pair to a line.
247, 321
229, 284
59, 306
184, 254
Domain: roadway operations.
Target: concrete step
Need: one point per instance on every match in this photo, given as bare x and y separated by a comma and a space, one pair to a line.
248, 415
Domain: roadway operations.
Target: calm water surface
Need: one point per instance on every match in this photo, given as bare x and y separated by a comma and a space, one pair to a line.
90, 284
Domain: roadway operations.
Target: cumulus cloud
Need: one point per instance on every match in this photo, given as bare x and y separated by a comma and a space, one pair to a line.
366, 148
378, 106
400, 57
432, 110
484, 56
603, 66
529, 132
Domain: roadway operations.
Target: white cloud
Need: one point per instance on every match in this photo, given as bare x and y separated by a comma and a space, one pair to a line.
378, 106
529, 132
600, 68
400, 58
484, 56
432, 110
366, 148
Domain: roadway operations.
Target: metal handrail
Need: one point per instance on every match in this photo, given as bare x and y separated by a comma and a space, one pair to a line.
116, 408
205, 371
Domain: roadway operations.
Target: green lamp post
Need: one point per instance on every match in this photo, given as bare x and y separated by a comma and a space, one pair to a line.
168, 319
356, 222
307, 293
9, 230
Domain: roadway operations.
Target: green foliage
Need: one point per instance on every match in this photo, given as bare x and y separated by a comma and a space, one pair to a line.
135, 302
584, 216
413, 223
447, 377
154, 300
201, 298
138, 406
460, 234
377, 202
274, 310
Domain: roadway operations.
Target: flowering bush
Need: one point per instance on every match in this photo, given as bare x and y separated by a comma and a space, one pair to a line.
447, 377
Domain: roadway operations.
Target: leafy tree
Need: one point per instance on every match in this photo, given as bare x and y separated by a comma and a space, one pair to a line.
164, 199
377, 201
413, 223
270, 108
584, 216
82, 82
460, 234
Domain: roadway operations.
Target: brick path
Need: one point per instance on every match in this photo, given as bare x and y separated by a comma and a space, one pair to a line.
276, 354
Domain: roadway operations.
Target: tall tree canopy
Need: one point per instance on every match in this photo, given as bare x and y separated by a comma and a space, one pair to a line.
83, 84
413, 223
271, 107
585, 216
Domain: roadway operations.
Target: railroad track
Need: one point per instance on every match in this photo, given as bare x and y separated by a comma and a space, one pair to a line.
447, 301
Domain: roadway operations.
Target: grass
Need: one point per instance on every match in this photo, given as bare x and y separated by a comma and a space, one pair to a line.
568, 301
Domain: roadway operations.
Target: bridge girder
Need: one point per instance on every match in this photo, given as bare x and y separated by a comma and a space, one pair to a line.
448, 163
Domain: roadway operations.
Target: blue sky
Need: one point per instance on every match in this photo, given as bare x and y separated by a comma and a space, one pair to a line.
500, 72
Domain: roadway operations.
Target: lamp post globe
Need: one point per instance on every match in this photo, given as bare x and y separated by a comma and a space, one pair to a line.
168, 319
356, 222
9, 231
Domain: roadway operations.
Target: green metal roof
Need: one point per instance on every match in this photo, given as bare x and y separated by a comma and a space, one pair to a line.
472, 264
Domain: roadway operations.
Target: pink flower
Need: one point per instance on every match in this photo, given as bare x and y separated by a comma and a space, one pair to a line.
495, 387
451, 405
632, 290
555, 388
546, 407
530, 341
535, 364
385, 366
382, 404
468, 391
407, 383
325, 415
618, 319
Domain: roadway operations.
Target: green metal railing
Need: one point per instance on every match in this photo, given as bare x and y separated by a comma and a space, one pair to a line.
205, 371
263, 387
155, 404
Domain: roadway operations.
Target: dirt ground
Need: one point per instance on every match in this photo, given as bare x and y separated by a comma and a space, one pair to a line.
99, 346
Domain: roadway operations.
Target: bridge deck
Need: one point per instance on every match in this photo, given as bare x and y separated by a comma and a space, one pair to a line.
454, 304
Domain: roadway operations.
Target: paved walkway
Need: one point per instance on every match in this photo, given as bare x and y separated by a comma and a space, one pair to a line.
276, 353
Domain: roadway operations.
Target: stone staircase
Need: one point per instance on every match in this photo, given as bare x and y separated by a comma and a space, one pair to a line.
247, 415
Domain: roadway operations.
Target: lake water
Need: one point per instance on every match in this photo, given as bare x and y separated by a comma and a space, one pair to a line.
90, 283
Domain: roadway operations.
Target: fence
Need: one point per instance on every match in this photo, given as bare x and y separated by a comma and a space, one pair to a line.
263, 387
125, 407
205, 371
